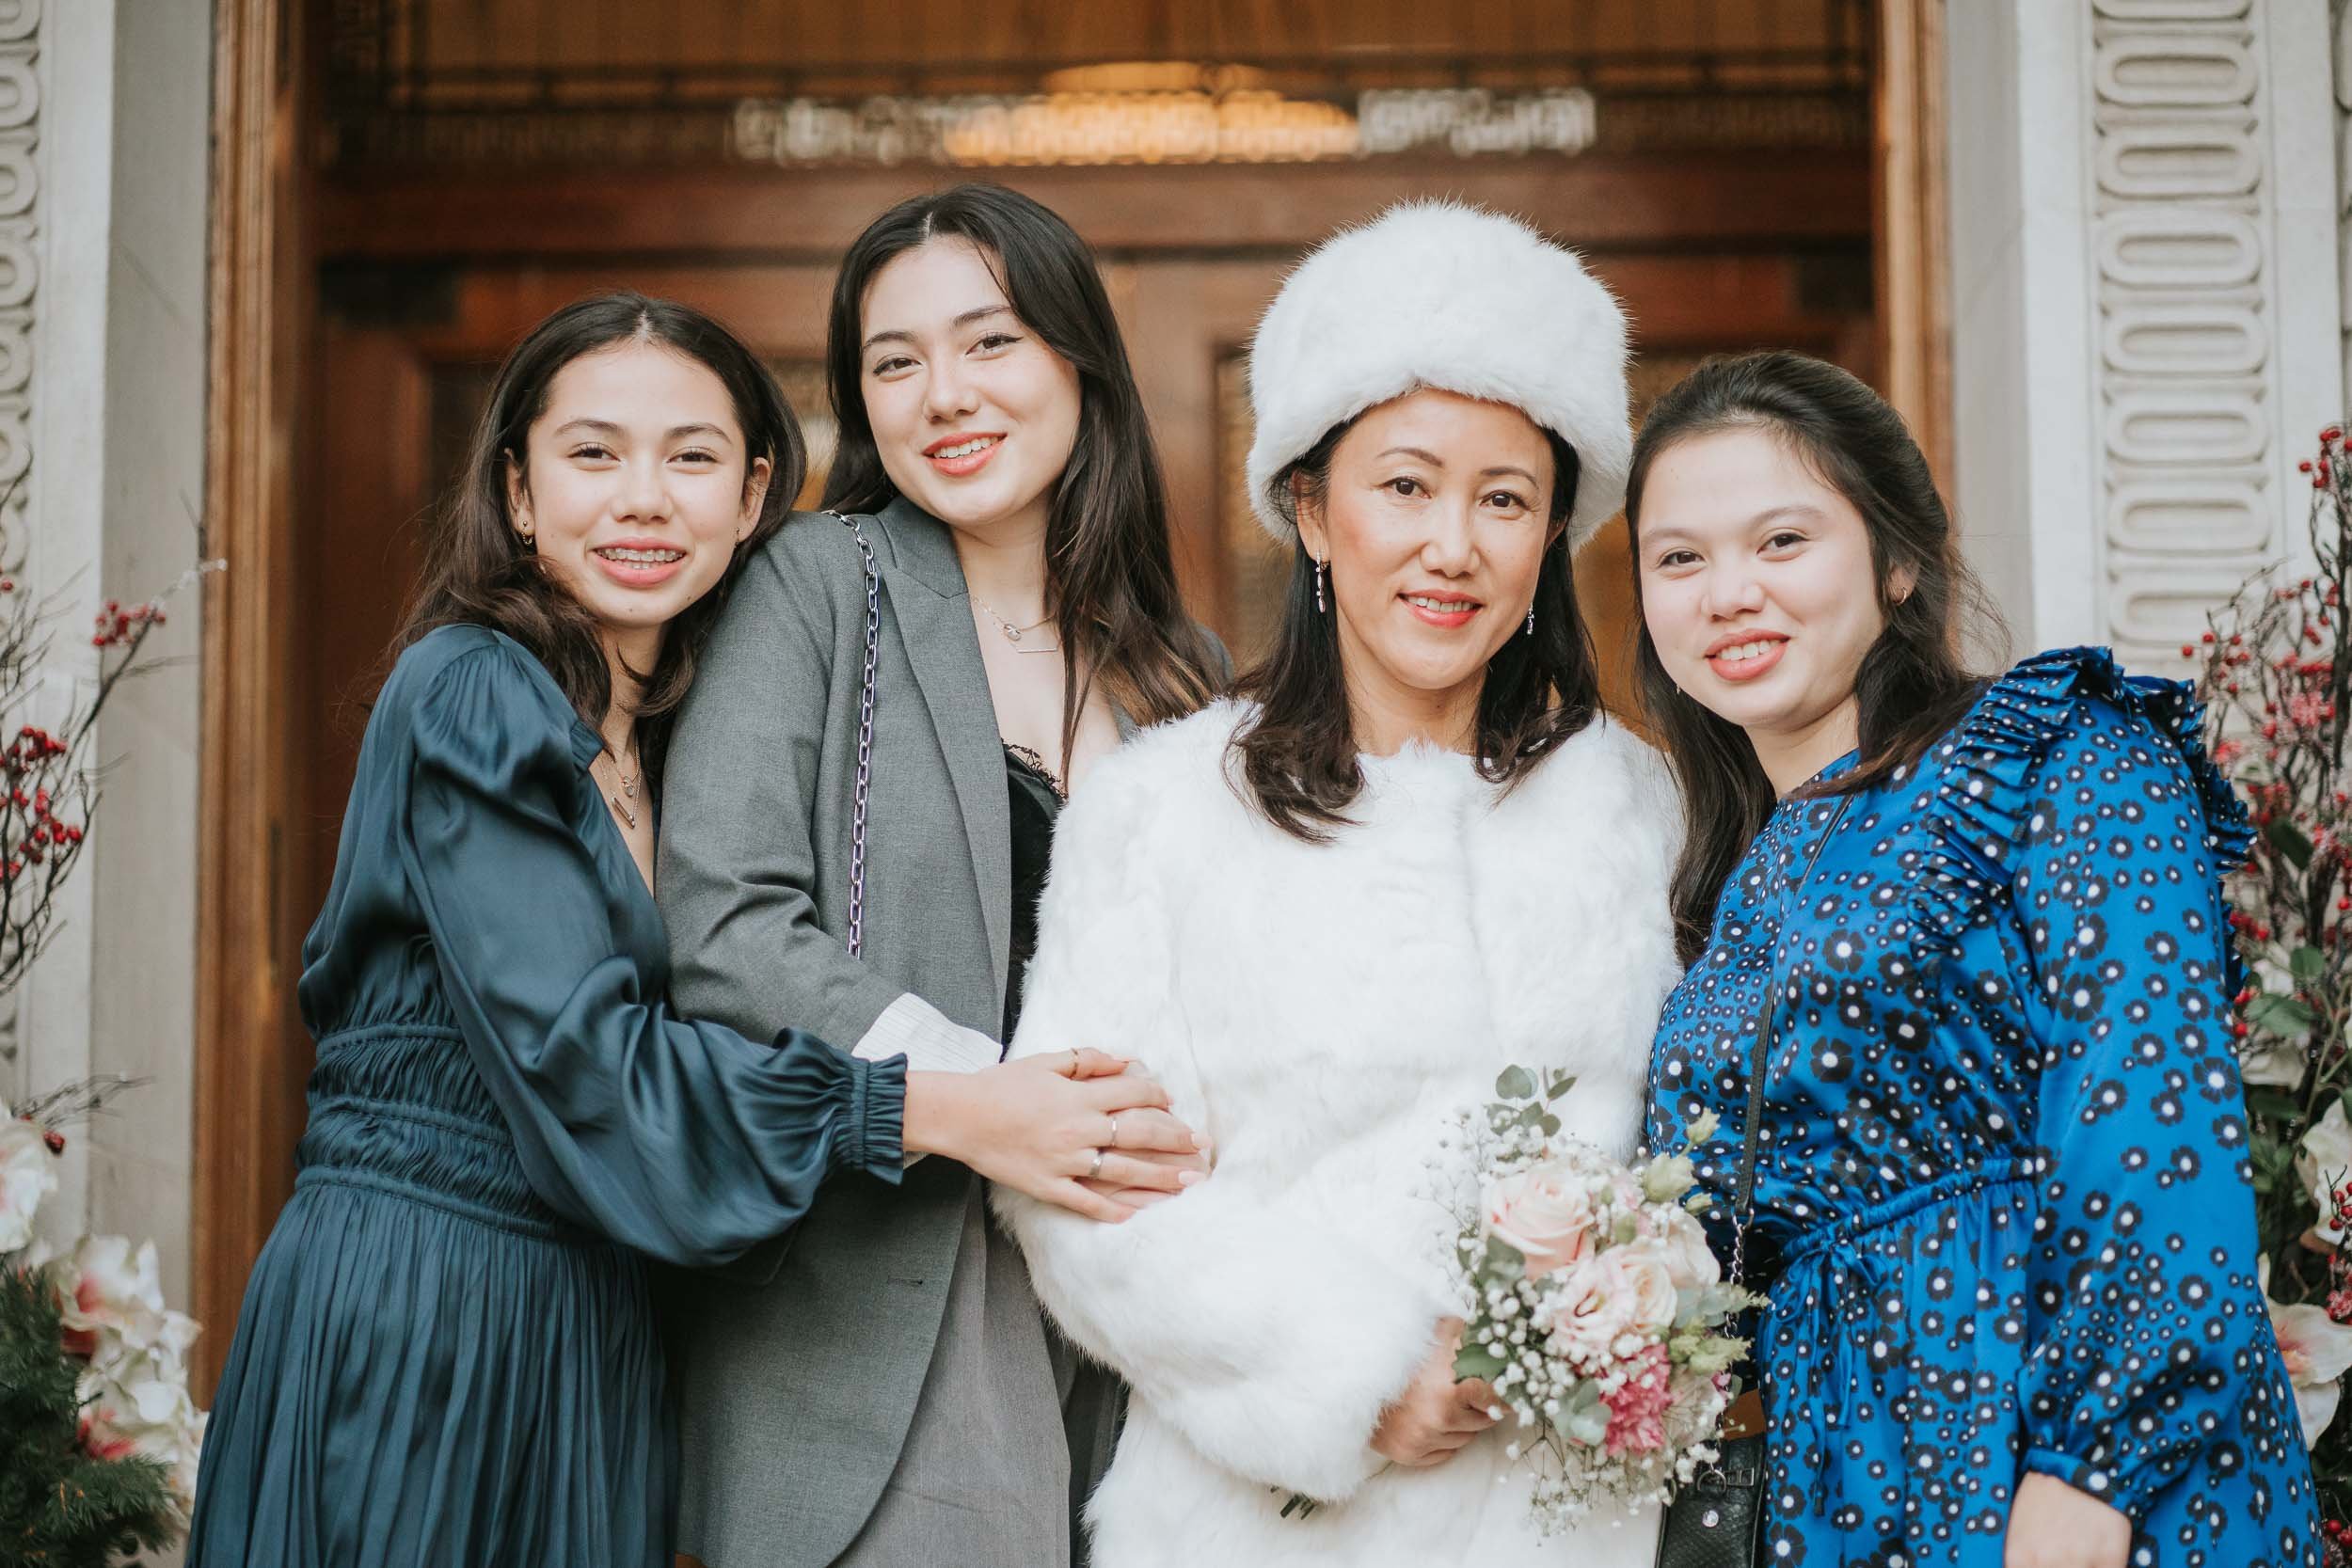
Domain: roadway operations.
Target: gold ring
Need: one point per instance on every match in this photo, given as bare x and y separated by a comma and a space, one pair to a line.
1113, 1139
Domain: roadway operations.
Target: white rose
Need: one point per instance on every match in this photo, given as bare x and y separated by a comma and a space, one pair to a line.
1647, 1274
1597, 1304
1689, 1259
28, 1173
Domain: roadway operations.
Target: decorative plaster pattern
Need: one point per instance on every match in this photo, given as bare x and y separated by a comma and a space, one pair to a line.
19, 266
2186, 317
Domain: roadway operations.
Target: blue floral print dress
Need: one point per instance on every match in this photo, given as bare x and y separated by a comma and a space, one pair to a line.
2002, 1193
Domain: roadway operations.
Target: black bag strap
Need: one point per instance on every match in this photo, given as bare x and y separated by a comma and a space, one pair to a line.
1767, 1035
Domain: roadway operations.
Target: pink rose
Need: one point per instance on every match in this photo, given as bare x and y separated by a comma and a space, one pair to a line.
1545, 1214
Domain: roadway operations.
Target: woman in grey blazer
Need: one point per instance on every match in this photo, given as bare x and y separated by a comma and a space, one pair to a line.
999, 555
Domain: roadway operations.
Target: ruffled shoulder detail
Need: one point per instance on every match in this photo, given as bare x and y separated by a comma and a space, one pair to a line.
479, 706
1985, 796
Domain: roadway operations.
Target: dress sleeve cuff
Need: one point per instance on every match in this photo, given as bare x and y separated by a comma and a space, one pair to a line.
928, 1039
2091, 1480
876, 1122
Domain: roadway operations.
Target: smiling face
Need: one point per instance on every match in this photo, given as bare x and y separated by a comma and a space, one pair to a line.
973, 415
1434, 522
1759, 593
635, 488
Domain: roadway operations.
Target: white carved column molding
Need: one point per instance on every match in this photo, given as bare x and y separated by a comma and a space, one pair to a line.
2208, 136
19, 278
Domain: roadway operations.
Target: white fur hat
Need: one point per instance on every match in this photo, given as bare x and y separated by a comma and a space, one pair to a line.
1440, 293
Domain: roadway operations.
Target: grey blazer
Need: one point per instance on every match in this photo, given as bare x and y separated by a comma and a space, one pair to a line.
797, 1390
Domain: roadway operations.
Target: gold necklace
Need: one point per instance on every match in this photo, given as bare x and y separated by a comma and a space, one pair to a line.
1012, 633
628, 787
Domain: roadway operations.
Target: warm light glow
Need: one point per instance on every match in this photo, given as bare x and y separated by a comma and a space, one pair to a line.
1160, 112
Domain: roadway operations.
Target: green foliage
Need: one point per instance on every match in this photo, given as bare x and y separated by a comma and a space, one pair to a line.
60, 1508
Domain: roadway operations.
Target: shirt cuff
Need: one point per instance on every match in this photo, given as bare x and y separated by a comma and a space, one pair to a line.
928, 1039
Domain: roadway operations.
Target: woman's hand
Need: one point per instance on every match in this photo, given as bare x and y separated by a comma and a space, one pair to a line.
2053, 1525
1436, 1415
1202, 1160
1041, 1124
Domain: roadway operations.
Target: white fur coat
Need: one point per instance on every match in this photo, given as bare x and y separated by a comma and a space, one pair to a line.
1316, 1010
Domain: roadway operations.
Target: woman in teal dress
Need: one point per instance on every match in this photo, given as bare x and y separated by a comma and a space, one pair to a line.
446, 1353
1973, 933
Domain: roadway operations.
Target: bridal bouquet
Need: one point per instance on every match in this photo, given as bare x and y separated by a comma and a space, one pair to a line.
1591, 1301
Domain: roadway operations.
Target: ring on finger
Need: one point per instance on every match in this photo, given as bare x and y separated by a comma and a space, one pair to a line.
1094, 1172
1074, 1061
1113, 1140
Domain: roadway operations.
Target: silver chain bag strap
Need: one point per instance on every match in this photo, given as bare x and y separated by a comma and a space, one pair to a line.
865, 737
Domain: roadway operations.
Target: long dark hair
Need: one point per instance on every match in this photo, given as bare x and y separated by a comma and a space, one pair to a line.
1110, 580
480, 572
1298, 756
1913, 685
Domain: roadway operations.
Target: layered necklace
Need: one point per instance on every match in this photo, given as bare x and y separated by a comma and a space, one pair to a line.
629, 788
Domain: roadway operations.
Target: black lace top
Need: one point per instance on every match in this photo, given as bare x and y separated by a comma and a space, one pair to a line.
1036, 799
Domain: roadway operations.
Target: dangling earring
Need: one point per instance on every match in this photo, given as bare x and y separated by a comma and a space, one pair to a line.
1531, 617
1320, 608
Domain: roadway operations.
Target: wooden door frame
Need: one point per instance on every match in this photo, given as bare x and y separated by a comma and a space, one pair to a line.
257, 296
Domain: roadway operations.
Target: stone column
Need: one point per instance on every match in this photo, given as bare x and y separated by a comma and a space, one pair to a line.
2144, 254
103, 187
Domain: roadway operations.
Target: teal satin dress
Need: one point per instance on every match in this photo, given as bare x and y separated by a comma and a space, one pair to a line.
446, 1354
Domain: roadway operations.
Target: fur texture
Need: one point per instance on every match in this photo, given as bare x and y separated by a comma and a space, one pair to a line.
1317, 1010
1436, 293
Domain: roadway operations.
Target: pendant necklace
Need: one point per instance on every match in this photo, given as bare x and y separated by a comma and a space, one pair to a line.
628, 787
1012, 633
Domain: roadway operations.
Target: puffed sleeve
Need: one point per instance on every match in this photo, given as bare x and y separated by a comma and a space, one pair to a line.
2147, 1320
683, 1140
1263, 1333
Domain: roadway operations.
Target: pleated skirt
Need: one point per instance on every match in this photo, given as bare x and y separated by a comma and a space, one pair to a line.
416, 1386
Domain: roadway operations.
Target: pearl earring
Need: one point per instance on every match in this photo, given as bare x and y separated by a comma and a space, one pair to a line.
1531, 618
1321, 608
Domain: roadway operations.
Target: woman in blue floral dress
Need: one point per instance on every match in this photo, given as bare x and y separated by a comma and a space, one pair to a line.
2001, 1200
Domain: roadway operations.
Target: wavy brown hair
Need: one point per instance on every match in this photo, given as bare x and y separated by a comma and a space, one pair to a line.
480, 572
1913, 686
1110, 578
1299, 755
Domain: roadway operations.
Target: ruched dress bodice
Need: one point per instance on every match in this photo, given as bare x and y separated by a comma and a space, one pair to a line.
2002, 1205
446, 1353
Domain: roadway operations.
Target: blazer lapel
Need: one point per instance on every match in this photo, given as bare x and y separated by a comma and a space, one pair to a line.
927, 598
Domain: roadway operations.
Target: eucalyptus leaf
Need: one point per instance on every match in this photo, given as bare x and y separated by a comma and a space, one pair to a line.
1583, 1417
1502, 1261
2308, 964
1515, 1083
1477, 1361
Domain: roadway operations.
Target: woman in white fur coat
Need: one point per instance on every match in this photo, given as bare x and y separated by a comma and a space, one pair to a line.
1413, 852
